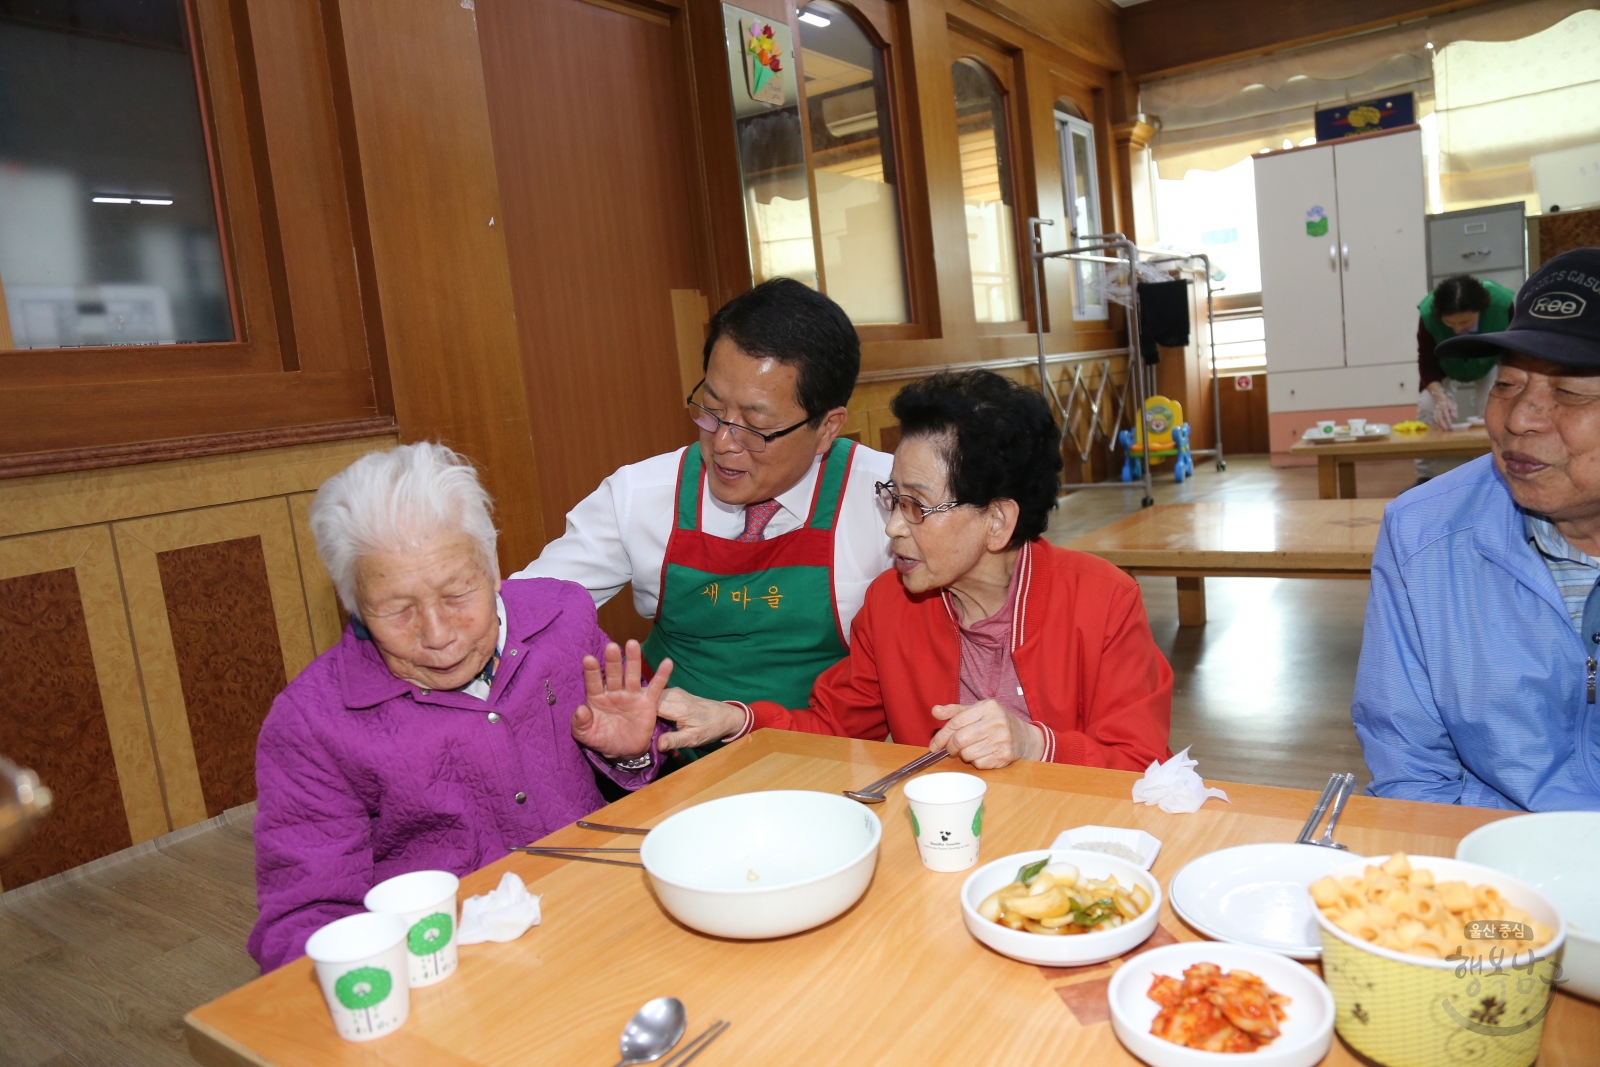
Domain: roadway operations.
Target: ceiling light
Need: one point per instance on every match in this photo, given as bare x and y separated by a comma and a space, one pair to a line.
113, 200
146, 200
155, 203
814, 19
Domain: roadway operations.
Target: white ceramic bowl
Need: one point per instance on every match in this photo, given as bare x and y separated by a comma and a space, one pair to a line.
1146, 846
1558, 853
761, 865
1046, 951
1307, 1032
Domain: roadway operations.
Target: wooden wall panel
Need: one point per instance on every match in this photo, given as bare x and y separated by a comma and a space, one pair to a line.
130, 795
139, 544
422, 126
51, 720
1245, 426
322, 602
590, 128
230, 665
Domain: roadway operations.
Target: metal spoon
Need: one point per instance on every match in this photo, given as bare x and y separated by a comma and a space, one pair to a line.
874, 793
652, 1031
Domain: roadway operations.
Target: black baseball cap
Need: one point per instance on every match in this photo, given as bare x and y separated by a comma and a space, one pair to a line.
1556, 316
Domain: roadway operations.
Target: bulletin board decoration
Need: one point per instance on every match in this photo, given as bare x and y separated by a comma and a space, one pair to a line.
763, 65
1384, 113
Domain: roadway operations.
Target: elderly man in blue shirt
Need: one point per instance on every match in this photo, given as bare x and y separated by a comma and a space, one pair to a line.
1477, 681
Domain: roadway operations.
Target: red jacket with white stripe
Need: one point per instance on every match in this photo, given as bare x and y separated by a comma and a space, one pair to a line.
1088, 665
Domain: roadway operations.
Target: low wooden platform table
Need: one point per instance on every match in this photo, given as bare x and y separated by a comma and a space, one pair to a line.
895, 980
1336, 462
1277, 539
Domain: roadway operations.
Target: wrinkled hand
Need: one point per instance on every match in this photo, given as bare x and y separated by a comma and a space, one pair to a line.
985, 735
699, 721
619, 716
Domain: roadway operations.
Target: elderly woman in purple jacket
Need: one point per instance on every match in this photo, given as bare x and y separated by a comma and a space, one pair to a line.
457, 717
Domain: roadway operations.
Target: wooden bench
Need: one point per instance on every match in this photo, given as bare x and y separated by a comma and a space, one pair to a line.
1281, 539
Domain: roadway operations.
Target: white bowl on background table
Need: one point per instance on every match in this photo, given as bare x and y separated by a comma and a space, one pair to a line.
1557, 853
1066, 951
760, 865
1304, 1038
1257, 895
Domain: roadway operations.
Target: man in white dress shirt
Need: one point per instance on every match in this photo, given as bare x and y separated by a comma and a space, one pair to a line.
753, 551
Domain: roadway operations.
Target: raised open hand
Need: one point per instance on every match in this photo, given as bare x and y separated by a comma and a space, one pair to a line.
618, 717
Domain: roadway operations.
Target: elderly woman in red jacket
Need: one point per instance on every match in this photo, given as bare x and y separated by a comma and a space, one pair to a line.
984, 639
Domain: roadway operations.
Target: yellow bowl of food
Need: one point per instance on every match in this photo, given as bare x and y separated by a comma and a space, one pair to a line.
1061, 907
1434, 962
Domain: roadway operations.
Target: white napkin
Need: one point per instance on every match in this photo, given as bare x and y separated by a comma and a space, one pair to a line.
1174, 786
502, 914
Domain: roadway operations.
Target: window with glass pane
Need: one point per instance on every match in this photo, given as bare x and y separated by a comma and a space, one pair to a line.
108, 224
1081, 179
986, 188
853, 166
772, 151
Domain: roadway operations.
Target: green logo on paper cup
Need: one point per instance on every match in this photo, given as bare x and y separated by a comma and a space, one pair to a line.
916, 830
977, 822
429, 934
364, 987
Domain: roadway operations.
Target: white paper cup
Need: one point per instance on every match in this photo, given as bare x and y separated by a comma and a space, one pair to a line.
426, 900
1325, 427
361, 963
947, 817
1358, 426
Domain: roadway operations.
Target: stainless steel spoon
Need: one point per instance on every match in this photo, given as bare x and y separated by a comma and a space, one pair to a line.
652, 1031
874, 793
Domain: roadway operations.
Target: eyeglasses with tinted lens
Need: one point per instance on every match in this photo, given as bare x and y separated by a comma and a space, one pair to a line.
746, 437
913, 510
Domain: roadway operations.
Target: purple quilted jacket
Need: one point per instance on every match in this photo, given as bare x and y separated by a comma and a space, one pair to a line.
362, 776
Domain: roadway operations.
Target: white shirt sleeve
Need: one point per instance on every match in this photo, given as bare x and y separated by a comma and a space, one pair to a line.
616, 535
860, 545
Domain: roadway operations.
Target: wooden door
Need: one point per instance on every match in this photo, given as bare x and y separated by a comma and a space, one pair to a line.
588, 112
1300, 293
1383, 247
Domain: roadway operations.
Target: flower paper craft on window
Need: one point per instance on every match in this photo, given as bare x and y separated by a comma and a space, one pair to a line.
763, 67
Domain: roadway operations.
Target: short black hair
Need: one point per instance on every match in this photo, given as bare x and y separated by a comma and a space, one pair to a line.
792, 323
997, 438
1460, 293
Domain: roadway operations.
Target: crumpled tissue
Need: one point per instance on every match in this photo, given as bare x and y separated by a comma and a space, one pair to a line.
502, 914
1174, 786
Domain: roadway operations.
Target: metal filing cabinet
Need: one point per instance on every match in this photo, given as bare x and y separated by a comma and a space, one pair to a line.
1485, 242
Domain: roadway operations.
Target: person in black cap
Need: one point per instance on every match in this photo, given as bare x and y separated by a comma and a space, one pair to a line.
1478, 673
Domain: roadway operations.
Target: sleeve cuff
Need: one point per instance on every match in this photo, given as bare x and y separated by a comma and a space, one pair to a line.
749, 721
1049, 754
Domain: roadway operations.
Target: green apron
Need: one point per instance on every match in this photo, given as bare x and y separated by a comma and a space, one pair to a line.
749, 621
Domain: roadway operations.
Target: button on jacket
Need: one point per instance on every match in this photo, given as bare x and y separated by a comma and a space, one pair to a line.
363, 776
1472, 685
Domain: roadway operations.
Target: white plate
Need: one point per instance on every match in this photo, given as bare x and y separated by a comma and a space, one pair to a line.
1144, 845
1256, 895
1307, 1031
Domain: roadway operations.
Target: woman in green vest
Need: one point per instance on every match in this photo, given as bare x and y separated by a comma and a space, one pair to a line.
1455, 389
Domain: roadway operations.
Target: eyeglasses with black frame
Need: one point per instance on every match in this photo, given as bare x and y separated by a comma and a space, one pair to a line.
913, 510
746, 437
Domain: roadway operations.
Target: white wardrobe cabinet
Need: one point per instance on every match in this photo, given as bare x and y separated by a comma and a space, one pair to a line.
1343, 265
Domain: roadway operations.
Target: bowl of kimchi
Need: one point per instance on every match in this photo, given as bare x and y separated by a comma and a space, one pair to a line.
1171, 1005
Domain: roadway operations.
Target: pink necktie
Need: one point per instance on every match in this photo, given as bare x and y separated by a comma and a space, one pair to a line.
756, 517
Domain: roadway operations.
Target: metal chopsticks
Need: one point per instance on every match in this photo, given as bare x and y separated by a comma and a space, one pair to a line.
587, 825
697, 1046
1336, 793
558, 854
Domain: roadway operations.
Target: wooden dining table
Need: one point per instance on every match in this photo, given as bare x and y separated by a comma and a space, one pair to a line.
897, 979
1336, 460
1265, 539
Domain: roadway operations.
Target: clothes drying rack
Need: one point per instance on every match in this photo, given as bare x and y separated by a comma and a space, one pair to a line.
1093, 249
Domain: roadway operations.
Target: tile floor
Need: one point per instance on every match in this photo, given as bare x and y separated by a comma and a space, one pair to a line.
98, 966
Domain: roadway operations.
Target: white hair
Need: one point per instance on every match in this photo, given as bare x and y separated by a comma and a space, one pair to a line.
398, 500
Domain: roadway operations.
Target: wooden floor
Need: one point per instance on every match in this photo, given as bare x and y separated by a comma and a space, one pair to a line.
98, 966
